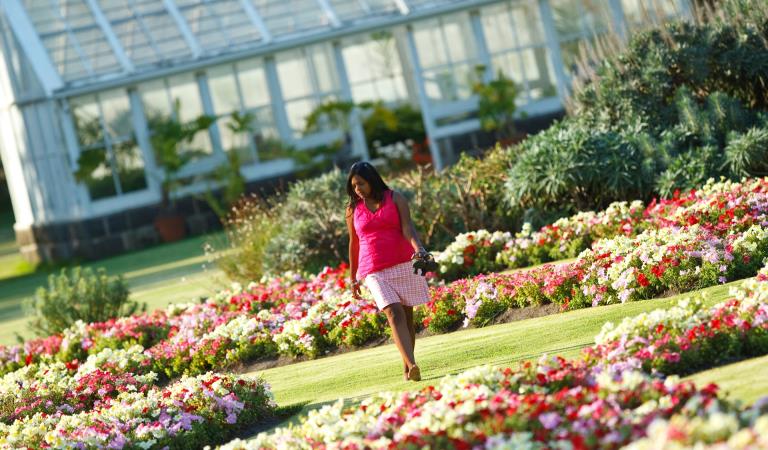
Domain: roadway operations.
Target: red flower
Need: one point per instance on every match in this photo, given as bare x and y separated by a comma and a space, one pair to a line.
642, 280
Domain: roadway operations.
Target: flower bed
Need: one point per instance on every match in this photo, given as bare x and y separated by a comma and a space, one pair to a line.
189, 413
616, 270
607, 398
717, 430
308, 317
720, 206
688, 337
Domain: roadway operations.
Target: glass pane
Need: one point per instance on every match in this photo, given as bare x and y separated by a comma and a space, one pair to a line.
509, 64
389, 90
429, 44
540, 74
373, 68
325, 70
365, 92
297, 112
294, 75
567, 15
85, 113
226, 134
235, 140
356, 61
184, 89
75, 42
98, 180
253, 83
460, 39
264, 121
466, 77
497, 28
130, 166
642, 13
117, 113
221, 83
528, 24
440, 85
383, 55
154, 96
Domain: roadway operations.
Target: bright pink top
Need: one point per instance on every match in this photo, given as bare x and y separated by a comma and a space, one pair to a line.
382, 243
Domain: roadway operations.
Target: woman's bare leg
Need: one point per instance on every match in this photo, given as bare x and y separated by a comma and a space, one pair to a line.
412, 331
400, 333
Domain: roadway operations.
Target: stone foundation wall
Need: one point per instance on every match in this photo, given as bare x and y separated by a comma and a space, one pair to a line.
108, 235
121, 232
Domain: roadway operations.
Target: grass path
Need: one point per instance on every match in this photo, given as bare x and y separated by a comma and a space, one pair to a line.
745, 380
356, 375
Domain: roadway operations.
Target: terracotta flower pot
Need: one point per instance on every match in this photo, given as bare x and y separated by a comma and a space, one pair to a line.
170, 227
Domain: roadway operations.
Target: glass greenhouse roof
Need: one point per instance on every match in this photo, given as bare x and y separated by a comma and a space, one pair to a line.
91, 39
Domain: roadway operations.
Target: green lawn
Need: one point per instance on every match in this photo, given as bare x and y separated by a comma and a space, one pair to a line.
159, 276
11, 262
746, 380
356, 375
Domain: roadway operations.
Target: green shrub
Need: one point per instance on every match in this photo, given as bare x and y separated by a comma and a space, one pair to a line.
312, 228
665, 114
251, 225
80, 294
714, 55
572, 166
465, 197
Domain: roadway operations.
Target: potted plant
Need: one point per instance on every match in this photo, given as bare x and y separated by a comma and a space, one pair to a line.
227, 175
168, 135
497, 107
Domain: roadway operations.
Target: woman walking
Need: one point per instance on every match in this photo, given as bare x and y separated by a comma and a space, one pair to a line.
382, 242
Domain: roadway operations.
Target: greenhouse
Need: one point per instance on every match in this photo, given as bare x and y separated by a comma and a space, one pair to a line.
90, 90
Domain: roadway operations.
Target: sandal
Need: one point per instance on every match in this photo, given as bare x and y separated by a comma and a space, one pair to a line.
414, 374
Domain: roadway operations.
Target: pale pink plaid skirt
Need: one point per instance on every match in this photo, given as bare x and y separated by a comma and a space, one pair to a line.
397, 284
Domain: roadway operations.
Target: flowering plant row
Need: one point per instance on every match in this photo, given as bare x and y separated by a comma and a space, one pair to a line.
615, 270
607, 398
716, 430
688, 336
297, 316
189, 413
315, 315
193, 338
725, 204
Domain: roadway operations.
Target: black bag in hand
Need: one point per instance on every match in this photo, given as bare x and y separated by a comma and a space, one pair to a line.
424, 263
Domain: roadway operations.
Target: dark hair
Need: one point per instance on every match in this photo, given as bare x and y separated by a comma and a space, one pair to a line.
365, 170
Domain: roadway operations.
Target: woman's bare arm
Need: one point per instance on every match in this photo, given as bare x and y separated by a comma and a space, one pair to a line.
354, 244
408, 228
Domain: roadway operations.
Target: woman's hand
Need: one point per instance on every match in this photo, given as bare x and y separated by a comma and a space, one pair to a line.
356, 290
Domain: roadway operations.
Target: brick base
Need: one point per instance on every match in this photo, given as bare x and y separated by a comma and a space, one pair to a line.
120, 232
